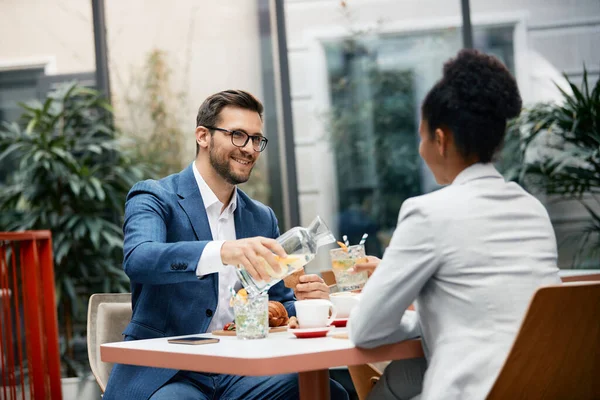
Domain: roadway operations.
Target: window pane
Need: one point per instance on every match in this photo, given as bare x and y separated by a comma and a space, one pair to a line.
18, 86
376, 87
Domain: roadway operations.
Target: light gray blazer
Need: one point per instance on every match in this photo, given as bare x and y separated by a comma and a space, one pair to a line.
470, 256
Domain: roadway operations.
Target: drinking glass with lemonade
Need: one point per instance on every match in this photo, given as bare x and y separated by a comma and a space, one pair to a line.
251, 315
343, 260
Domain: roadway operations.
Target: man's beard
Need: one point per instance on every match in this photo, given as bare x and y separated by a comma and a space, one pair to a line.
221, 165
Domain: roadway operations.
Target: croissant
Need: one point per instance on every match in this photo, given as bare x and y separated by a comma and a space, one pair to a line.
278, 315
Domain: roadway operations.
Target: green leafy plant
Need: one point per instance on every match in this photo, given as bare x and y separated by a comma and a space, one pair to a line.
71, 177
154, 111
555, 148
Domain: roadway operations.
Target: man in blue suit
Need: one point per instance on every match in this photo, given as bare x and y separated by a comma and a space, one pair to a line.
183, 236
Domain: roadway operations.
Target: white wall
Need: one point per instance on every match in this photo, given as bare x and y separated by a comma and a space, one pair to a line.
211, 45
36, 32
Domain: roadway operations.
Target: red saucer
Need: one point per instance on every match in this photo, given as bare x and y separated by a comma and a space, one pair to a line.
308, 333
339, 322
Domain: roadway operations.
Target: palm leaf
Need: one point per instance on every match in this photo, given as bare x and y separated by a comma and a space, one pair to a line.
567, 161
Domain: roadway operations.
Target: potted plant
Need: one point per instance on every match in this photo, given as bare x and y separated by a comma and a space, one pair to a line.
555, 149
70, 175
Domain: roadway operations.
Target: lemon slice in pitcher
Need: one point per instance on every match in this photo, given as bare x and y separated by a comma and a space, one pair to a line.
271, 271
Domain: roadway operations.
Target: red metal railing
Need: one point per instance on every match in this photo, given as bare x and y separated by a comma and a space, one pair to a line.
29, 353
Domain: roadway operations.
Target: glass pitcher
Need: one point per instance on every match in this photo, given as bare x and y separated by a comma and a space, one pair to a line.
300, 244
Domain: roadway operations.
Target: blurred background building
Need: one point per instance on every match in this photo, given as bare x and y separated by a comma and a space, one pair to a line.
342, 82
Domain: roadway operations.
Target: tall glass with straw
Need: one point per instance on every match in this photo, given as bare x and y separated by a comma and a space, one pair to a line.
343, 260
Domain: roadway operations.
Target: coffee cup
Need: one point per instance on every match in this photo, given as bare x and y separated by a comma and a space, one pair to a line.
344, 302
316, 313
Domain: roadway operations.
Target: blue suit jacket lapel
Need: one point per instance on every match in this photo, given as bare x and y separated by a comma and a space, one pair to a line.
192, 204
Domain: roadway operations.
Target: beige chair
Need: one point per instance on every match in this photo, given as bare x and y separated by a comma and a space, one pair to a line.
108, 315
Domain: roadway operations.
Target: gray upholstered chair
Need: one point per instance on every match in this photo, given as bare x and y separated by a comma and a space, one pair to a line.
108, 315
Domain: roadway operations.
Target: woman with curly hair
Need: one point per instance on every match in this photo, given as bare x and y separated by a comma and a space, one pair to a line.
469, 256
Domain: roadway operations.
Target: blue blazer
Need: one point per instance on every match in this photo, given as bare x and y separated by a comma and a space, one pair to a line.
166, 229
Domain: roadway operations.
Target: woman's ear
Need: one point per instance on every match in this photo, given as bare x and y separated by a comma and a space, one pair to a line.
441, 139
202, 135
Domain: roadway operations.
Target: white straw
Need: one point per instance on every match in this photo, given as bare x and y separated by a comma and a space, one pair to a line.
364, 238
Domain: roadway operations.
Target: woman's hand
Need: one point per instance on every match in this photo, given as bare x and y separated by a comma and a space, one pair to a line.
369, 266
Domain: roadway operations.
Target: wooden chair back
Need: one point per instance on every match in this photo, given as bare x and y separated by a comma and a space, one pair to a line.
556, 354
364, 377
328, 277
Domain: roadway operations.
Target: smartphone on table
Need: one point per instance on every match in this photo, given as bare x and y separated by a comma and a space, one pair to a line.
193, 340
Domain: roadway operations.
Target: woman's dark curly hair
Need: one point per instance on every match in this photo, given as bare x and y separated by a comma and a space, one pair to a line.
474, 99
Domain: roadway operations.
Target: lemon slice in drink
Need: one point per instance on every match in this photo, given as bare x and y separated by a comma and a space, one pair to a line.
241, 295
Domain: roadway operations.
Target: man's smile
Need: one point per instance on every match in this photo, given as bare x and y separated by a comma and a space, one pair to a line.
242, 161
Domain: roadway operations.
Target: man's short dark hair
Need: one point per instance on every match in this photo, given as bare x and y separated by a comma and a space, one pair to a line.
208, 113
474, 99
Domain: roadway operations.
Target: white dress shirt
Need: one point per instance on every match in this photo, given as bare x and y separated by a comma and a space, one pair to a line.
222, 228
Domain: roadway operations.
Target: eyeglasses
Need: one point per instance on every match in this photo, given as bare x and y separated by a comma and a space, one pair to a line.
240, 138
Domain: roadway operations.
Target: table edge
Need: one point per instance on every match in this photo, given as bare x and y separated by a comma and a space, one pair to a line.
260, 367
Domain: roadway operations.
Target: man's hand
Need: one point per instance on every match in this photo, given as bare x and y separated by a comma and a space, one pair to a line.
251, 253
369, 266
311, 287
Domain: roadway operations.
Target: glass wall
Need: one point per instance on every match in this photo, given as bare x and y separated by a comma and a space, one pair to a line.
559, 40
359, 71
376, 85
